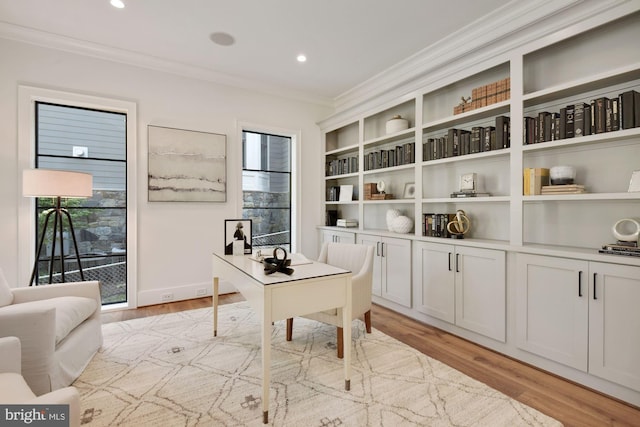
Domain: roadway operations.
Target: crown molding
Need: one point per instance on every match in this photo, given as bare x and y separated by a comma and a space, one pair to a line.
515, 24
123, 56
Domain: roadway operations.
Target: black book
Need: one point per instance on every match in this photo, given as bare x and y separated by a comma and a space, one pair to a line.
608, 118
542, 130
502, 132
465, 142
600, 115
452, 142
615, 114
569, 122
588, 128
547, 136
476, 134
562, 128
579, 119
627, 108
486, 140
555, 126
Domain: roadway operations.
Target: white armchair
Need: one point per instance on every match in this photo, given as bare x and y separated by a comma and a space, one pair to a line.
14, 389
359, 260
59, 328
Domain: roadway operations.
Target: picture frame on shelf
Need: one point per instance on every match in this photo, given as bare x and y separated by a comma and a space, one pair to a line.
237, 236
634, 183
409, 190
346, 193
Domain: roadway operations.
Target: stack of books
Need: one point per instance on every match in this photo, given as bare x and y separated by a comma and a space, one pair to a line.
347, 223
621, 248
457, 194
563, 189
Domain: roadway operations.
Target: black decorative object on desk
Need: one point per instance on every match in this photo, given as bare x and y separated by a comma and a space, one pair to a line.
277, 263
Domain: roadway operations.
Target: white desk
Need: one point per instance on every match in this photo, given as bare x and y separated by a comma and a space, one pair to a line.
311, 288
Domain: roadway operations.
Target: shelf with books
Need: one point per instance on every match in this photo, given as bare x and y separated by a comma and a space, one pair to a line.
619, 135
489, 221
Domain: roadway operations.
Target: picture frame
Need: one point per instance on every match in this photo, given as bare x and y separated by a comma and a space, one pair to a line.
237, 236
634, 182
186, 165
409, 190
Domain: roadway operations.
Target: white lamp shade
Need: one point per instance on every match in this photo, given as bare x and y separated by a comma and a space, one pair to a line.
56, 183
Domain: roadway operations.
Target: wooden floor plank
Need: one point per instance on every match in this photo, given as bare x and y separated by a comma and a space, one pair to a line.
569, 403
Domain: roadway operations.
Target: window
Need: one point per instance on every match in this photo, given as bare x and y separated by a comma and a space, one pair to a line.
266, 188
92, 141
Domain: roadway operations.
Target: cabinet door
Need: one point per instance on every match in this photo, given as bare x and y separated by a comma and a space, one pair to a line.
396, 270
366, 239
434, 279
552, 308
614, 322
480, 278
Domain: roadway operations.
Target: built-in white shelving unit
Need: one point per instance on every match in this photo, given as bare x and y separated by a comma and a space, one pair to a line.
577, 65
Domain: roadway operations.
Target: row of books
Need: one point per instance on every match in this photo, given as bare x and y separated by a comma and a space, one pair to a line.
435, 224
488, 94
533, 179
459, 142
342, 166
621, 248
599, 116
403, 154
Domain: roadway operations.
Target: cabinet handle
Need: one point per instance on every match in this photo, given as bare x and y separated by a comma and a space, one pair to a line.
594, 285
377, 248
449, 261
457, 263
580, 284
382, 252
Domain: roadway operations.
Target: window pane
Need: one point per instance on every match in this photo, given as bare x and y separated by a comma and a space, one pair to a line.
266, 188
94, 142
61, 128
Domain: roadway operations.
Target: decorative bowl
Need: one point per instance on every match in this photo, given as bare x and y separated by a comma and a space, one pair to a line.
561, 175
396, 124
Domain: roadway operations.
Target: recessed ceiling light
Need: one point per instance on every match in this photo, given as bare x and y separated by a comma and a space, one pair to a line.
117, 3
301, 58
222, 39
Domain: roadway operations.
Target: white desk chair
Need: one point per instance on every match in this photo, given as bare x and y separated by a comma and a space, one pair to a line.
359, 260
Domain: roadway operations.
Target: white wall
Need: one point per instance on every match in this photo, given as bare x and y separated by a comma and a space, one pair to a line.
175, 240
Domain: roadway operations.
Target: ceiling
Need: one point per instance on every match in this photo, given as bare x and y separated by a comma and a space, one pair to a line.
347, 42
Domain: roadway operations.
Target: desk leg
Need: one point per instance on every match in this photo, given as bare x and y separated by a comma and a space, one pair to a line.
266, 355
215, 306
346, 322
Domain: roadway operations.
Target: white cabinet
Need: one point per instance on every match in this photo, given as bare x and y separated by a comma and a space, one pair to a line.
462, 285
614, 323
391, 267
552, 308
581, 314
337, 236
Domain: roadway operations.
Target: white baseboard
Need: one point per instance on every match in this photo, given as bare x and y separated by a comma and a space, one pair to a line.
181, 293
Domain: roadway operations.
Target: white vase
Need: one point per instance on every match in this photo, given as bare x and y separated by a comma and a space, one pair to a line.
402, 224
391, 215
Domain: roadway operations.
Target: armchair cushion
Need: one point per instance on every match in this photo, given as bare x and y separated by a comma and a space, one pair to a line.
70, 312
6, 296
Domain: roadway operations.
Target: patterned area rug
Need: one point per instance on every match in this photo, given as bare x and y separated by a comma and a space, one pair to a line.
169, 370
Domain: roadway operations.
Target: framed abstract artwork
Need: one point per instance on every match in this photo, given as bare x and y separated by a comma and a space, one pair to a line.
186, 165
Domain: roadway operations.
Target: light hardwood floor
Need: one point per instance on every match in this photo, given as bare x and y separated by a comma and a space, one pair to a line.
571, 404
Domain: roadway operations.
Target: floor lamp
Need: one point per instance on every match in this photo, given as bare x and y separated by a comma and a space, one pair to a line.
56, 184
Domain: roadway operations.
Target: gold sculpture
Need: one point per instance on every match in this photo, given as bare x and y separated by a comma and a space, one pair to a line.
460, 225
